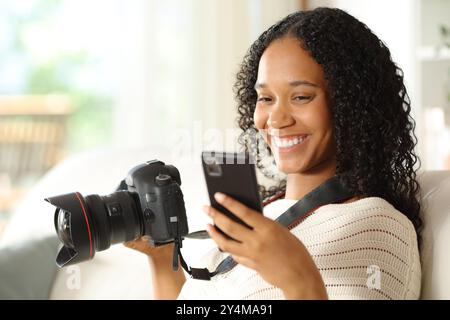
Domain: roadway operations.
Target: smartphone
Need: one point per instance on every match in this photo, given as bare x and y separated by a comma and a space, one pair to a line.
234, 175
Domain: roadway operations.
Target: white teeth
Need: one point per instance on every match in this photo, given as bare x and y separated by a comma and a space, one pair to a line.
286, 143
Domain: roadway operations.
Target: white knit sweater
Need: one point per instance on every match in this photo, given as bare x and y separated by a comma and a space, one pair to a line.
364, 250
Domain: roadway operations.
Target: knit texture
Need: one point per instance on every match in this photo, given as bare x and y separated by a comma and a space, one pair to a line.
364, 250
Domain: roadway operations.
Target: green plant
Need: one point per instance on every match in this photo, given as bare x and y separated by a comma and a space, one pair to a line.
57, 72
90, 123
445, 34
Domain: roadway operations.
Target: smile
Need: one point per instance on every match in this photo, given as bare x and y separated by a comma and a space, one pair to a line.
287, 144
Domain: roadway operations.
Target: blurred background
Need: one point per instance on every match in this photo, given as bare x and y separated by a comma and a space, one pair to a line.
78, 75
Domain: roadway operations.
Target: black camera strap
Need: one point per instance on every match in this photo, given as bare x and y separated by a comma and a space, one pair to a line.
331, 191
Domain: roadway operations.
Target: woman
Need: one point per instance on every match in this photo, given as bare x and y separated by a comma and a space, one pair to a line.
328, 99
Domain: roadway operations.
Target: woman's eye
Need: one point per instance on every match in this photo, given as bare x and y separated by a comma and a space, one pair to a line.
302, 98
264, 99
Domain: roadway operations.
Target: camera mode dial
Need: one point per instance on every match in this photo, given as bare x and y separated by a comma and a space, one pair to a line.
163, 179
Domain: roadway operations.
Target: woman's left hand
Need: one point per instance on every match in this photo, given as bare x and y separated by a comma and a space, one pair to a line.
269, 248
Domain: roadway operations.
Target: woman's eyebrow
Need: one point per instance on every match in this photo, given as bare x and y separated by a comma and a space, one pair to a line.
295, 83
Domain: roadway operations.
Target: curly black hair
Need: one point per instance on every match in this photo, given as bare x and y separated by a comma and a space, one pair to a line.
372, 125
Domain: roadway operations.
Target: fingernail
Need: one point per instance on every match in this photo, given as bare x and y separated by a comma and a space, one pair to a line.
219, 196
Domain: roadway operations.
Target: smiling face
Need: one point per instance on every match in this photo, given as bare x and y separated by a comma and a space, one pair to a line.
293, 108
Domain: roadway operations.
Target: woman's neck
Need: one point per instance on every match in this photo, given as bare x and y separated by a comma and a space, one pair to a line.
300, 184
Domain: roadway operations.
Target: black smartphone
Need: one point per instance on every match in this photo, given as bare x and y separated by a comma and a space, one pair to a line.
234, 175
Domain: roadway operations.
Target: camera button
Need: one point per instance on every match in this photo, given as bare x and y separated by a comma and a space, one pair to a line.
114, 209
149, 215
163, 179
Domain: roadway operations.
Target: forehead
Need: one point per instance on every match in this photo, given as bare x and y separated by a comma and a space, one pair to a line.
285, 60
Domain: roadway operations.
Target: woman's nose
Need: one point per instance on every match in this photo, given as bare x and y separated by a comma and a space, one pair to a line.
280, 117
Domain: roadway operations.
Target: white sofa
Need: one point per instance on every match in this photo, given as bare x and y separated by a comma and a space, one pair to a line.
120, 273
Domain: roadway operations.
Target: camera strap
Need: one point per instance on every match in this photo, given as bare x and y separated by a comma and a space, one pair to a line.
331, 191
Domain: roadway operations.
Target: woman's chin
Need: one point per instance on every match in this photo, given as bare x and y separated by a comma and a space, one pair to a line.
288, 168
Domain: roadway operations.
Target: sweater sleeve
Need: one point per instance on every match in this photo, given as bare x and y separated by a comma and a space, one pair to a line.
368, 255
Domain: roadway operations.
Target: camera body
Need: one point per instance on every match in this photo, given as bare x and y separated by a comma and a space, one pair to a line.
161, 200
148, 202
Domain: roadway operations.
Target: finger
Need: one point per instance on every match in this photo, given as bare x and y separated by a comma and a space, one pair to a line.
225, 244
133, 245
246, 262
232, 228
143, 239
249, 216
128, 244
139, 243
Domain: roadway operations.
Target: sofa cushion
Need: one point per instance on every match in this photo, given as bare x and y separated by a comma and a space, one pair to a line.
27, 269
435, 255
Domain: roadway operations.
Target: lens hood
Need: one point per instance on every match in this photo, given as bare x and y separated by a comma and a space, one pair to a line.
80, 229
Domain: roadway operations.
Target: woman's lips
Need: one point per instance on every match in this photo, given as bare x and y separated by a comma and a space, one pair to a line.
288, 143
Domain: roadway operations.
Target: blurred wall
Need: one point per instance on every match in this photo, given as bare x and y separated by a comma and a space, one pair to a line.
392, 21
180, 64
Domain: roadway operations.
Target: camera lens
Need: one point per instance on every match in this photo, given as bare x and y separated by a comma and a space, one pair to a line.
63, 227
92, 223
116, 218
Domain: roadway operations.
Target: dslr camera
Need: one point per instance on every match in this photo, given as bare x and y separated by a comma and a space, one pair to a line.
148, 202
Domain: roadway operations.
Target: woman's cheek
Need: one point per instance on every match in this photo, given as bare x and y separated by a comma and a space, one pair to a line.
260, 118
